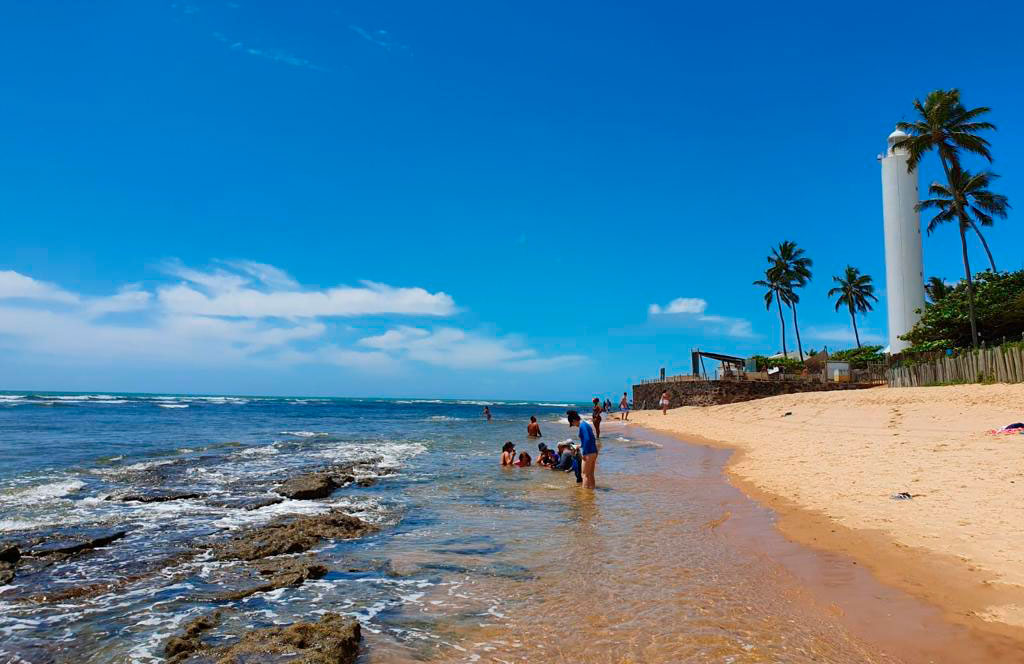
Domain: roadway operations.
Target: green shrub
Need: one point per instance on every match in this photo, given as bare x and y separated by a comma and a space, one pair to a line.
859, 357
787, 364
998, 310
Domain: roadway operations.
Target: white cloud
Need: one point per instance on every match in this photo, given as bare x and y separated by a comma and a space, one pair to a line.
246, 313
458, 349
841, 334
680, 305
16, 285
691, 311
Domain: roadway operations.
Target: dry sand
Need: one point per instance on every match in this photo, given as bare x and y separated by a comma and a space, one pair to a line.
839, 457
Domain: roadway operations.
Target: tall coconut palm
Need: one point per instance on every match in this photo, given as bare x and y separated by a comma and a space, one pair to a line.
775, 281
796, 272
965, 199
936, 289
946, 126
855, 291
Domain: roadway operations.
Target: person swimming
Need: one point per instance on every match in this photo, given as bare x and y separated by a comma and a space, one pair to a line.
533, 428
508, 454
524, 460
487, 413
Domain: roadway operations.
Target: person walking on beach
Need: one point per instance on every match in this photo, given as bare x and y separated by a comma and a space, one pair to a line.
487, 413
596, 417
664, 403
588, 448
533, 428
624, 407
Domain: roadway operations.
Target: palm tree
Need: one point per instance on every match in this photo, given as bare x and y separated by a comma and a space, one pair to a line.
966, 199
774, 280
946, 126
796, 272
936, 289
854, 290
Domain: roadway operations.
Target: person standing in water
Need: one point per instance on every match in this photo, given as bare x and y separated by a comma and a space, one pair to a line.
533, 428
624, 407
588, 448
596, 417
487, 413
664, 403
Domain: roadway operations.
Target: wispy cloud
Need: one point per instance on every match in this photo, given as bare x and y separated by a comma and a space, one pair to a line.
251, 313
273, 54
841, 334
693, 311
381, 38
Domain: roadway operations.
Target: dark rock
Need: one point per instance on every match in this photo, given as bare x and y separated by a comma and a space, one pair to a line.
9, 553
177, 648
154, 496
291, 535
248, 503
309, 487
366, 481
70, 542
282, 573
332, 640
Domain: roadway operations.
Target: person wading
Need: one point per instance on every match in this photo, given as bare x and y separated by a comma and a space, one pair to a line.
588, 448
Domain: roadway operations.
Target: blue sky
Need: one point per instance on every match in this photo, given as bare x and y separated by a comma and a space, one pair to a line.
458, 198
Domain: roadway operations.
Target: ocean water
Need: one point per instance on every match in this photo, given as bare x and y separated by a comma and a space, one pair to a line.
63, 454
665, 562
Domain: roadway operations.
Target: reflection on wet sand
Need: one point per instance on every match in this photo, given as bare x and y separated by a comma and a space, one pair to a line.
663, 563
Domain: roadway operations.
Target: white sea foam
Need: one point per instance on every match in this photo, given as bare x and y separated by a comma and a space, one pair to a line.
172, 405
475, 403
11, 397
444, 418
556, 405
305, 434
41, 493
259, 451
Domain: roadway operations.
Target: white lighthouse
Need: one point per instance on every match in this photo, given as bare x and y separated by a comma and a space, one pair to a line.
904, 270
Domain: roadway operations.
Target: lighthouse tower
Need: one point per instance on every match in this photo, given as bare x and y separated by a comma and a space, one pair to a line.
904, 270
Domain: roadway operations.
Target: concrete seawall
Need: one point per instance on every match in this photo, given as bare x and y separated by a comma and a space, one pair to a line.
716, 392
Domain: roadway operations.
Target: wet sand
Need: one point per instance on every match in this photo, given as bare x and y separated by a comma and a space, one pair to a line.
666, 562
828, 462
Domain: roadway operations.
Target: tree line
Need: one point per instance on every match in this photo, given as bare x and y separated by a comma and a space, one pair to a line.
942, 125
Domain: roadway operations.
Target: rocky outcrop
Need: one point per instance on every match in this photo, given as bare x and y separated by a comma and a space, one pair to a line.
291, 535
310, 486
10, 554
153, 496
179, 648
281, 573
332, 640
248, 503
70, 542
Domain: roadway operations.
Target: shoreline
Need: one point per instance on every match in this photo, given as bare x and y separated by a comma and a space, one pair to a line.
824, 510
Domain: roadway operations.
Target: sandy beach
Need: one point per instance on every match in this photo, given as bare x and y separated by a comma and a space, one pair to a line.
829, 463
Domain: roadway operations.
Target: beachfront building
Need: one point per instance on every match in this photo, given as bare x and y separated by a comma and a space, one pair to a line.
904, 270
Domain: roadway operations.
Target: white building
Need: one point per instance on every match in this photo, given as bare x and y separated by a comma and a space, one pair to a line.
904, 269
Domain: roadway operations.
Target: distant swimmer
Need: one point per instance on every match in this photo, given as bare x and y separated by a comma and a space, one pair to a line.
624, 407
487, 413
533, 428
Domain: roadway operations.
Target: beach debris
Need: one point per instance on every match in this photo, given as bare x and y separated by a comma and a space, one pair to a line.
10, 554
153, 496
787, 413
332, 640
292, 535
902, 495
282, 573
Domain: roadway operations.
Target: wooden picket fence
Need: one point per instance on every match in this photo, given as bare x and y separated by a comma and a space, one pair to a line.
1000, 364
